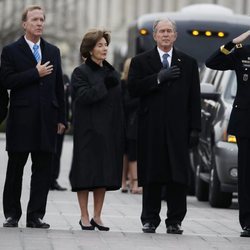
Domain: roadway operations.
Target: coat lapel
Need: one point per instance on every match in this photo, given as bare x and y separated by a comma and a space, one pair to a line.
176, 59
154, 60
26, 49
44, 50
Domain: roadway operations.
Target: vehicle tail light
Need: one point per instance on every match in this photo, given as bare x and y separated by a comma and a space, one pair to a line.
143, 32
229, 138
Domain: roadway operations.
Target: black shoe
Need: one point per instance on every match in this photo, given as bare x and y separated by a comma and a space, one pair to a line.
10, 222
148, 228
174, 229
99, 227
56, 186
86, 227
38, 223
245, 232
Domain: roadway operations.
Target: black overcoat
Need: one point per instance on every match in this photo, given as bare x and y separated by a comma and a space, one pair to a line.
238, 60
4, 101
36, 104
98, 129
166, 115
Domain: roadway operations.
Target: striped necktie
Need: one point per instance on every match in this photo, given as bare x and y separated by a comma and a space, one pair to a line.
165, 61
36, 52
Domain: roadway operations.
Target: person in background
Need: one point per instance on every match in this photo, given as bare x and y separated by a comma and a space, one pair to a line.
129, 158
235, 56
98, 128
169, 120
60, 137
31, 70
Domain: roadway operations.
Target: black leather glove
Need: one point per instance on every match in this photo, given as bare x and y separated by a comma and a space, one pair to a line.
193, 138
170, 73
111, 81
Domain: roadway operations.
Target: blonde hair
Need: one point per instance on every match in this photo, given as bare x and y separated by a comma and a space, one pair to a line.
125, 71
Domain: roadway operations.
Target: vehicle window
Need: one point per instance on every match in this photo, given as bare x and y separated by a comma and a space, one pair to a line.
231, 88
207, 75
217, 81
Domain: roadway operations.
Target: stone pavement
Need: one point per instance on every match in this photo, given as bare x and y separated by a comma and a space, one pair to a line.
204, 227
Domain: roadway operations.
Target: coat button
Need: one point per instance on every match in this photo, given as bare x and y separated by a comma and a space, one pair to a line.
41, 83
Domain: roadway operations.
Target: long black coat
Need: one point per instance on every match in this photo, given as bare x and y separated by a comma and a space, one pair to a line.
36, 104
167, 113
98, 129
238, 60
4, 100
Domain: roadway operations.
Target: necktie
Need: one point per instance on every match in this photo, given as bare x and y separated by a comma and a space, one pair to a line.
165, 61
36, 52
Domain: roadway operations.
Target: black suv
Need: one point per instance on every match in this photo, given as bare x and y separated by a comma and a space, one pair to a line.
214, 161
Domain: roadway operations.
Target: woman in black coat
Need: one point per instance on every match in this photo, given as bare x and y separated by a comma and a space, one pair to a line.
130, 112
98, 129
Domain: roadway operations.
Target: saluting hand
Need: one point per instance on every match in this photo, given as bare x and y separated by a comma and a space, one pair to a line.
242, 37
44, 69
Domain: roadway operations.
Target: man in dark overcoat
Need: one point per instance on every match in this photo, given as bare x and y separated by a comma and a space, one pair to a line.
4, 100
56, 162
31, 69
168, 123
235, 56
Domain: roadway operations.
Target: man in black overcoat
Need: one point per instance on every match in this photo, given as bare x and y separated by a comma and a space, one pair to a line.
235, 56
4, 100
31, 70
168, 123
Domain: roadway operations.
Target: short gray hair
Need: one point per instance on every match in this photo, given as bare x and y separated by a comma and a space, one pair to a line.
167, 20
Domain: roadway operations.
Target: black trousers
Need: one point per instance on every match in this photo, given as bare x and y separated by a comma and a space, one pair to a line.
39, 185
57, 158
244, 180
175, 196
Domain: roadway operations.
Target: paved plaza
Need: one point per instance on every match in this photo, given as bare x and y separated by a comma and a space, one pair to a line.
204, 227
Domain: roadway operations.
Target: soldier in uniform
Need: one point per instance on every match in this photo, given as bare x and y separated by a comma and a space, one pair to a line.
235, 56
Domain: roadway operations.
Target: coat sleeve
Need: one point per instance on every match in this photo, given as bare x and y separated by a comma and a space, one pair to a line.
139, 83
84, 91
222, 59
11, 79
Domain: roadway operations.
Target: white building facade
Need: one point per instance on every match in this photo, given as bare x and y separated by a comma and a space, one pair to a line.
68, 20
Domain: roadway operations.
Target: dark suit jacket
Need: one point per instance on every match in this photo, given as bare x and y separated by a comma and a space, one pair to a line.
166, 115
238, 60
36, 104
